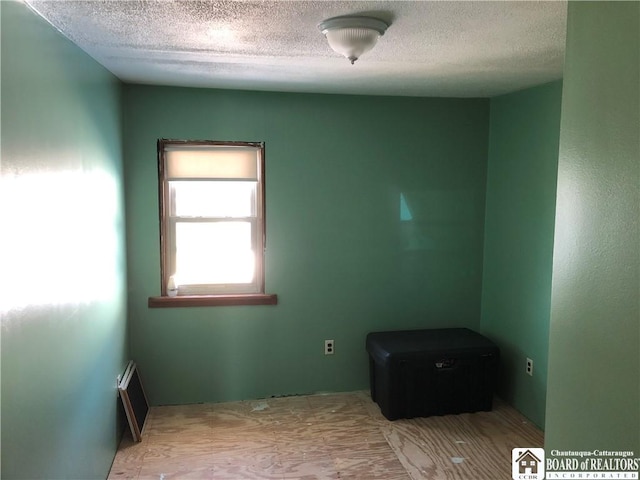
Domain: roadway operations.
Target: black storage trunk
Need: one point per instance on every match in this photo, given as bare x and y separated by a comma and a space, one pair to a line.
418, 373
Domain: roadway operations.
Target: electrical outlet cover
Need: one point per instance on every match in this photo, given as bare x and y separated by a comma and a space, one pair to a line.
329, 347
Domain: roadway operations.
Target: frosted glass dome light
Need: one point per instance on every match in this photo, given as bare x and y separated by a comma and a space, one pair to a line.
352, 36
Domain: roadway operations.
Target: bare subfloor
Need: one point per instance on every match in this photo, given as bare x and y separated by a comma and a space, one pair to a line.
338, 436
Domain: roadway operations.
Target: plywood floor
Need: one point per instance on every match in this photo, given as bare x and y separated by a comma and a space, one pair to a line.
341, 436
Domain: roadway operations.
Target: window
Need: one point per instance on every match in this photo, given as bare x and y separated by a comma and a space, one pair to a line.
212, 223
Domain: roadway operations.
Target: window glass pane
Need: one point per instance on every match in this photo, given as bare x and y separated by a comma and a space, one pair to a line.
214, 253
213, 199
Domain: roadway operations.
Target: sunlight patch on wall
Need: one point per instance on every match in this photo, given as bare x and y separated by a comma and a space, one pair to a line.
405, 211
60, 232
570, 225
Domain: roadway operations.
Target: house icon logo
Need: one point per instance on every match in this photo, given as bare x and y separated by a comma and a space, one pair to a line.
527, 464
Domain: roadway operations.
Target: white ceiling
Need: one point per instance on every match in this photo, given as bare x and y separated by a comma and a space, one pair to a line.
432, 48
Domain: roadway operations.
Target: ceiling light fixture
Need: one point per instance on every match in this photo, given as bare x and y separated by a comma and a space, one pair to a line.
352, 36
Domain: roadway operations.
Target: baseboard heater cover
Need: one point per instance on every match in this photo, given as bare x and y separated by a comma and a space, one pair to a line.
134, 400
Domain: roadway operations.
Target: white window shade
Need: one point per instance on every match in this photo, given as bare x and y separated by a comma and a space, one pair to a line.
207, 162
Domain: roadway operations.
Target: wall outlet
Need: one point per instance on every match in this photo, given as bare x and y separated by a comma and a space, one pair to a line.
529, 367
329, 347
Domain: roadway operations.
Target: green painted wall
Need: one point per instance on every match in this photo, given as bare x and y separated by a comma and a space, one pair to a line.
62, 254
518, 243
339, 256
594, 348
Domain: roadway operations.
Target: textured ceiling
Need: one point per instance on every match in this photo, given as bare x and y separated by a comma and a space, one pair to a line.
432, 48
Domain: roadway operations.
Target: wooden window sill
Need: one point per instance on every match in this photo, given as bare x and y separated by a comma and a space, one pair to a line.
213, 300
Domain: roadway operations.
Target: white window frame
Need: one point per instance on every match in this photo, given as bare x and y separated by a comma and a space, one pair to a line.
168, 220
